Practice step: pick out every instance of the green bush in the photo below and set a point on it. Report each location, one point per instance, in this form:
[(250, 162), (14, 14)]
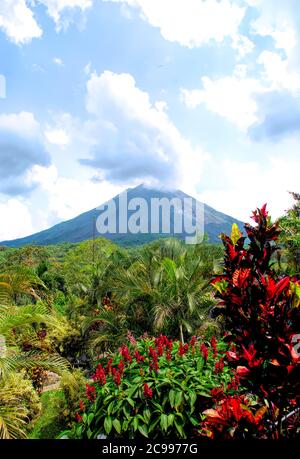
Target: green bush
[(154, 387)]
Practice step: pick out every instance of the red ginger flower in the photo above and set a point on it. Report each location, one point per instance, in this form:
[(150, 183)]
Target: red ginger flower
[(147, 391), (117, 378), (152, 353), (169, 345), (160, 350), (154, 356), (168, 355), (193, 340), (125, 353), (183, 348), (204, 351), (100, 375), (91, 392), (219, 366), (213, 343), (121, 366), (160, 341), (109, 366), (139, 358), (163, 341)]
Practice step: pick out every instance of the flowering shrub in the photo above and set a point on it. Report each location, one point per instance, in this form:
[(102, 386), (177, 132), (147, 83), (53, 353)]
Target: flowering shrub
[(154, 387), (262, 318)]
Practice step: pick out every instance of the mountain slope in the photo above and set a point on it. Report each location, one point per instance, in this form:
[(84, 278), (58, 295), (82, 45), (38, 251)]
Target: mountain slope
[(82, 227)]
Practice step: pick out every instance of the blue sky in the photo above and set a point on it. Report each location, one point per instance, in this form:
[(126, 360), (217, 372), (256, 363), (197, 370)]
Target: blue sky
[(201, 95)]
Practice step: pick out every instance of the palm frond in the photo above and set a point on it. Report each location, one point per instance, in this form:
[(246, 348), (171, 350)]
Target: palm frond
[(13, 415), (18, 361)]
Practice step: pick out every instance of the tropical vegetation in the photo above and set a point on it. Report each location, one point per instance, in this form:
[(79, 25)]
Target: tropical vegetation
[(161, 340)]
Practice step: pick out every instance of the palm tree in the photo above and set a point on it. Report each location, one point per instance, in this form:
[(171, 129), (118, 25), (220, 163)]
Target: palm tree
[(166, 288), (104, 331), (15, 323), (17, 282), (183, 298)]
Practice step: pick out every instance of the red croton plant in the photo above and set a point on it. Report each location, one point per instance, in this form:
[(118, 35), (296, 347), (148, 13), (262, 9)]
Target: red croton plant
[(262, 317)]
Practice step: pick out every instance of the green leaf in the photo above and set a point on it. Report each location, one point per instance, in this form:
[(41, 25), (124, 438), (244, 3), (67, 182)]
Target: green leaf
[(108, 424), (178, 398), (110, 407), (205, 394), (132, 390), (79, 431), (179, 428), (193, 397), (117, 425), (90, 418), (153, 425), (172, 398), (143, 430), (109, 397), (125, 425), (164, 422), (194, 421), (157, 405), (130, 401), (135, 423), (171, 418), (147, 415), (126, 412)]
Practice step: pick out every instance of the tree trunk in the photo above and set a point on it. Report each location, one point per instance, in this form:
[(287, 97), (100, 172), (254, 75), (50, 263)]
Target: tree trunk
[(181, 334)]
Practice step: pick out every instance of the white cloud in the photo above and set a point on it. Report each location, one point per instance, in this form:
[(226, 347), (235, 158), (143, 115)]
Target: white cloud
[(66, 198), (15, 220), (278, 73), (276, 20), (23, 123), (237, 97), (58, 61), (58, 8), (243, 45), (18, 22), (230, 97), (57, 137), (134, 139), (191, 23), (251, 184)]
